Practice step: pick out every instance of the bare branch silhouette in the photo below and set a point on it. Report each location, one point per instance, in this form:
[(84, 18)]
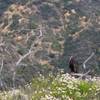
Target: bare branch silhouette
[(23, 57), (1, 66), (84, 63), (81, 75)]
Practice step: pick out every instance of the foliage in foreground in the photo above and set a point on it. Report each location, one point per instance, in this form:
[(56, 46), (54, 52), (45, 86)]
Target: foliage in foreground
[(61, 87)]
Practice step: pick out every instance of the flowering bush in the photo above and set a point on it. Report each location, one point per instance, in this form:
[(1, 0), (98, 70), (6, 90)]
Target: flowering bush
[(60, 87), (65, 87)]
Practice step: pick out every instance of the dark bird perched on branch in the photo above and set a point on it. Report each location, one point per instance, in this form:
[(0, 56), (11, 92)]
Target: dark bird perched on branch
[(73, 65)]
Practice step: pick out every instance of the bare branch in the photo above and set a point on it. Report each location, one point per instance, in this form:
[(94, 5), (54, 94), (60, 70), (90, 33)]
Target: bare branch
[(41, 34), (2, 44), (13, 78), (1, 66), (30, 50), (1, 83), (23, 57), (81, 75), (84, 63), (40, 31)]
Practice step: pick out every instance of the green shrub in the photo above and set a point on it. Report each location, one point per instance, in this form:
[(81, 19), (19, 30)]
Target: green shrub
[(33, 25), (56, 46), (65, 88), (61, 87)]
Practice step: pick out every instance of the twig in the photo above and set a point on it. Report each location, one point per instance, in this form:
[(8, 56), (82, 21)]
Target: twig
[(30, 50), (84, 63), (23, 57), (85, 74), (81, 75), (13, 78), (40, 31), (41, 34), (1, 67), (1, 83), (2, 44)]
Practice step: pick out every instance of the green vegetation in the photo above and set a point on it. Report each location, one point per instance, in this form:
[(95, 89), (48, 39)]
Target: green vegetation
[(61, 87), (33, 25), (56, 46), (65, 88), (69, 28), (15, 22)]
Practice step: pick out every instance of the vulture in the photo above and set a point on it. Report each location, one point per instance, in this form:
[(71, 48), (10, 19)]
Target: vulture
[(73, 65)]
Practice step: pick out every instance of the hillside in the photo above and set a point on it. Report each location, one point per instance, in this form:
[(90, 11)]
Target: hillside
[(39, 36)]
